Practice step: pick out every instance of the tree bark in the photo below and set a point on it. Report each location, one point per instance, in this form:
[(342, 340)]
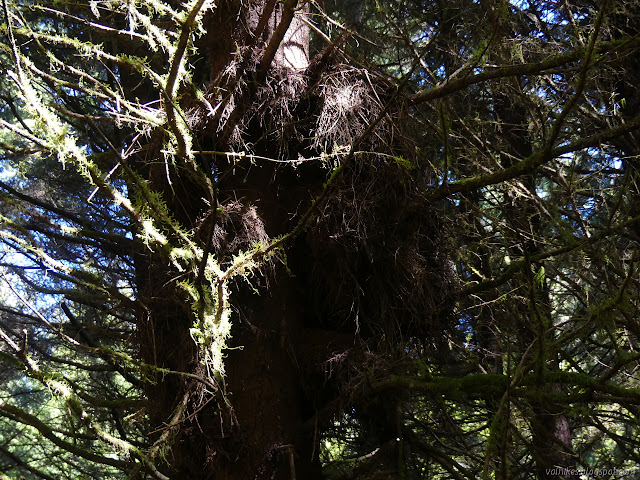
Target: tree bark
[(256, 426)]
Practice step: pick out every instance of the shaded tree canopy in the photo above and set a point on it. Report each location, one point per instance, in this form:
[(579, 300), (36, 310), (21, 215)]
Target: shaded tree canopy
[(322, 240)]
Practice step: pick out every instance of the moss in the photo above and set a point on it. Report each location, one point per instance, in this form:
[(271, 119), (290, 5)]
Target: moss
[(483, 385)]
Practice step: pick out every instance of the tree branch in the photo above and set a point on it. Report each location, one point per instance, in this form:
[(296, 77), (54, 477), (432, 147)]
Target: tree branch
[(492, 73), (529, 164), (27, 419)]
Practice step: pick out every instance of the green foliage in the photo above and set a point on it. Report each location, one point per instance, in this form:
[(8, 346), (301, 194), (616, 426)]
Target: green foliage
[(489, 159)]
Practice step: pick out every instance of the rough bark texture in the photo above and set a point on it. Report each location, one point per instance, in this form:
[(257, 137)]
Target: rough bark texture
[(267, 436), (347, 315), (256, 427)]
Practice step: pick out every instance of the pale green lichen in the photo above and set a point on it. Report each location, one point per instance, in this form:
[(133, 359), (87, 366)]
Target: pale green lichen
[(151, 234), (212, 328), (181, 257), (207, 284)]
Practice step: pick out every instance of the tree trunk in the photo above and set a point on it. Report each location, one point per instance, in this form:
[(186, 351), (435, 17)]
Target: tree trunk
[(255, 427), (293, 53)]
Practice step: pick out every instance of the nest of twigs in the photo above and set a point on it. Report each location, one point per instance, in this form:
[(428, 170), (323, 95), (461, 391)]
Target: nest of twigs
[(375, 262), (238, 227), (388, 272), (372, 260)]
